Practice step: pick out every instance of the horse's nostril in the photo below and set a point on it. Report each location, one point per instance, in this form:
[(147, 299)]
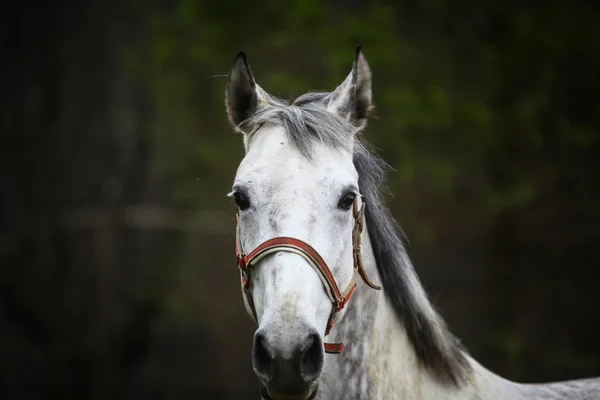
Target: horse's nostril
[(261, 357), (312, 358)]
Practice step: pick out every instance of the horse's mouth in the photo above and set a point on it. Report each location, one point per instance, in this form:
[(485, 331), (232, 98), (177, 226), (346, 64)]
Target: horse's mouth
[(265, 395)]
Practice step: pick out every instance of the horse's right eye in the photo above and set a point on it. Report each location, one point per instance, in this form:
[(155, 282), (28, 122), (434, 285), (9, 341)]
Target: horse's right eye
[(241, 200)]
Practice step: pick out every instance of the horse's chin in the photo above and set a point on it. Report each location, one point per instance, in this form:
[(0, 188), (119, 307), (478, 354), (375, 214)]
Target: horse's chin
[(308, 394)]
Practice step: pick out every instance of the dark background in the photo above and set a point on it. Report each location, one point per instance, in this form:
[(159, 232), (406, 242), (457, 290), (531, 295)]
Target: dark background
[(117, 274)]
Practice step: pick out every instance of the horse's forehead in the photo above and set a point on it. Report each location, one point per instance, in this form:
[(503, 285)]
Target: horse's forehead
[(273, 161)]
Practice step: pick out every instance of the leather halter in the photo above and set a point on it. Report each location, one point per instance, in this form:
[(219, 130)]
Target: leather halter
[(291, 245)]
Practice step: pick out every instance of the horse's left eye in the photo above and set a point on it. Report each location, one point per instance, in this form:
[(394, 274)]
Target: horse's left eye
[(346, 202)]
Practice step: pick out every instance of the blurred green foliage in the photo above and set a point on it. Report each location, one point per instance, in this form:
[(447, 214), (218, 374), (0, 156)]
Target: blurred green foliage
[(458, 88)]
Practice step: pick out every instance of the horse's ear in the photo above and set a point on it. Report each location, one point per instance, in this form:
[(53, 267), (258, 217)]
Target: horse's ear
[(352, 99), (242, 96)]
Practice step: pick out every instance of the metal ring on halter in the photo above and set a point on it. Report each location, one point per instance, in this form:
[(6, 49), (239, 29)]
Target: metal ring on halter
[(291, 245)]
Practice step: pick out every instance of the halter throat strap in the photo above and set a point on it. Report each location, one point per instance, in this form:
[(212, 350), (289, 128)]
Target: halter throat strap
[(292, 245)]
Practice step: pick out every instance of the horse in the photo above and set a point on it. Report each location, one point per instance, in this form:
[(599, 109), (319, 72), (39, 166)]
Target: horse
[(314, 241)]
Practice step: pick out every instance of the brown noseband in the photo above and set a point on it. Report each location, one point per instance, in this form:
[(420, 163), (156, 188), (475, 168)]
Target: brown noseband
[(303, 249)]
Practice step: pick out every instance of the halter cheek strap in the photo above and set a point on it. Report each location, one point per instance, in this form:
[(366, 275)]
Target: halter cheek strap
[(291, 245)]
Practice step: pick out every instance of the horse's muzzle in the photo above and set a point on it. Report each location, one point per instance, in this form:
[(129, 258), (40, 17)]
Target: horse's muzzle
[(291, 376)]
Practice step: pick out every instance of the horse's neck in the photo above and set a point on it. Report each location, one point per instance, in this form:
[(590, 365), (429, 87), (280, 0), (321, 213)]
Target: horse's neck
[(379, 362)]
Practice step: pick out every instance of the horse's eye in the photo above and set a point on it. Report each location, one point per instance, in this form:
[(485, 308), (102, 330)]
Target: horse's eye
[(241, 200), (346, 202)]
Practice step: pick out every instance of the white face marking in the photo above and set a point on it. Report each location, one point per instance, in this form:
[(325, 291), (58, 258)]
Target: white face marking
[(291, 195)]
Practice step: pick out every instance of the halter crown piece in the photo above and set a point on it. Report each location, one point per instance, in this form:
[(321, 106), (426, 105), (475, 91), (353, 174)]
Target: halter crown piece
[(245, 261)]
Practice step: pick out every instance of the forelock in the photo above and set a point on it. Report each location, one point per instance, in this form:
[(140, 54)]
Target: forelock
[(306, 121)]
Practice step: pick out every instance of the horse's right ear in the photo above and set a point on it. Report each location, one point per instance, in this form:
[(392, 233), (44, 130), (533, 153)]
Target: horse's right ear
[(242, 96)]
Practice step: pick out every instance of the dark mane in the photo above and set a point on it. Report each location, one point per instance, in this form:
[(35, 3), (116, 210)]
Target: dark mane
[(307, 120), (435, 346)]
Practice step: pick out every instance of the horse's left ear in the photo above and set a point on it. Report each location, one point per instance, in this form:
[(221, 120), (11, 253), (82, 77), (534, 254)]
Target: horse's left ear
[(352, 99)]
